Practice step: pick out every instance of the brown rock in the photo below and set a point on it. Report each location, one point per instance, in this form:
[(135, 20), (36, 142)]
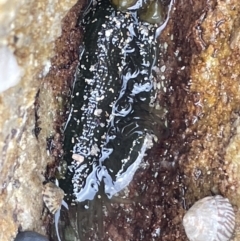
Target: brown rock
[(27, 34)]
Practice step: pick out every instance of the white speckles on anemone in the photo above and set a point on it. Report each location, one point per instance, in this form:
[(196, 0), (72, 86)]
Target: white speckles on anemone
[(109, 125), (210, 219)]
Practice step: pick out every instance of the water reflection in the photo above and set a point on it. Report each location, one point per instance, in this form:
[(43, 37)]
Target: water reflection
[(85, 221)]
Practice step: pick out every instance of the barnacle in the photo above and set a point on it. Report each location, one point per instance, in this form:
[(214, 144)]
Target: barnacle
[(153, 12), (210, 219)]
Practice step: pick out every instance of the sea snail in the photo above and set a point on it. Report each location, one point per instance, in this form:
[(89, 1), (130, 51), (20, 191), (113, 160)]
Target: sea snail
[(210, 219)]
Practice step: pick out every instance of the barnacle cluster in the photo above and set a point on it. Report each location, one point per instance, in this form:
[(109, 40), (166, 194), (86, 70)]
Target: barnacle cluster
[(111, 122)]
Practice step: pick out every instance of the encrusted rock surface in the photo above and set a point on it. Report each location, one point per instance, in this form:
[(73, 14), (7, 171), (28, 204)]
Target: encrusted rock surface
[(211, 164), (199, 66), (28, 31), (199, 69)]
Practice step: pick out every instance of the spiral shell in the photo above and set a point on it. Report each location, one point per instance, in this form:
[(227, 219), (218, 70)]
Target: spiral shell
[(210, 219)]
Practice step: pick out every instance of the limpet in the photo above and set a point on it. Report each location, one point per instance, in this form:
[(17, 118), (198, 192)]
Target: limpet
[(210, 219), (52, 197)]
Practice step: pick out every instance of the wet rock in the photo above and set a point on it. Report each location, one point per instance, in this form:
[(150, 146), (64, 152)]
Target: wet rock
[(199, 63), (30, 236), (27, 45)]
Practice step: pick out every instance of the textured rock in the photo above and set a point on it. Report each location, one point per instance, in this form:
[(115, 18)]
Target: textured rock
[(212, 161), (27, 34), (199, 64)]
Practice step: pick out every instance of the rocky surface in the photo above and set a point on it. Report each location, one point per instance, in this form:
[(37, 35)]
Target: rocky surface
[(28, 31), (199, 67), (199, 75), (211, 164)]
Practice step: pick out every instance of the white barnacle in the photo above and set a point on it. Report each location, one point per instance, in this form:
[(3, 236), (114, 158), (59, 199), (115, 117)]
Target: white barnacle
[(210, 219)]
